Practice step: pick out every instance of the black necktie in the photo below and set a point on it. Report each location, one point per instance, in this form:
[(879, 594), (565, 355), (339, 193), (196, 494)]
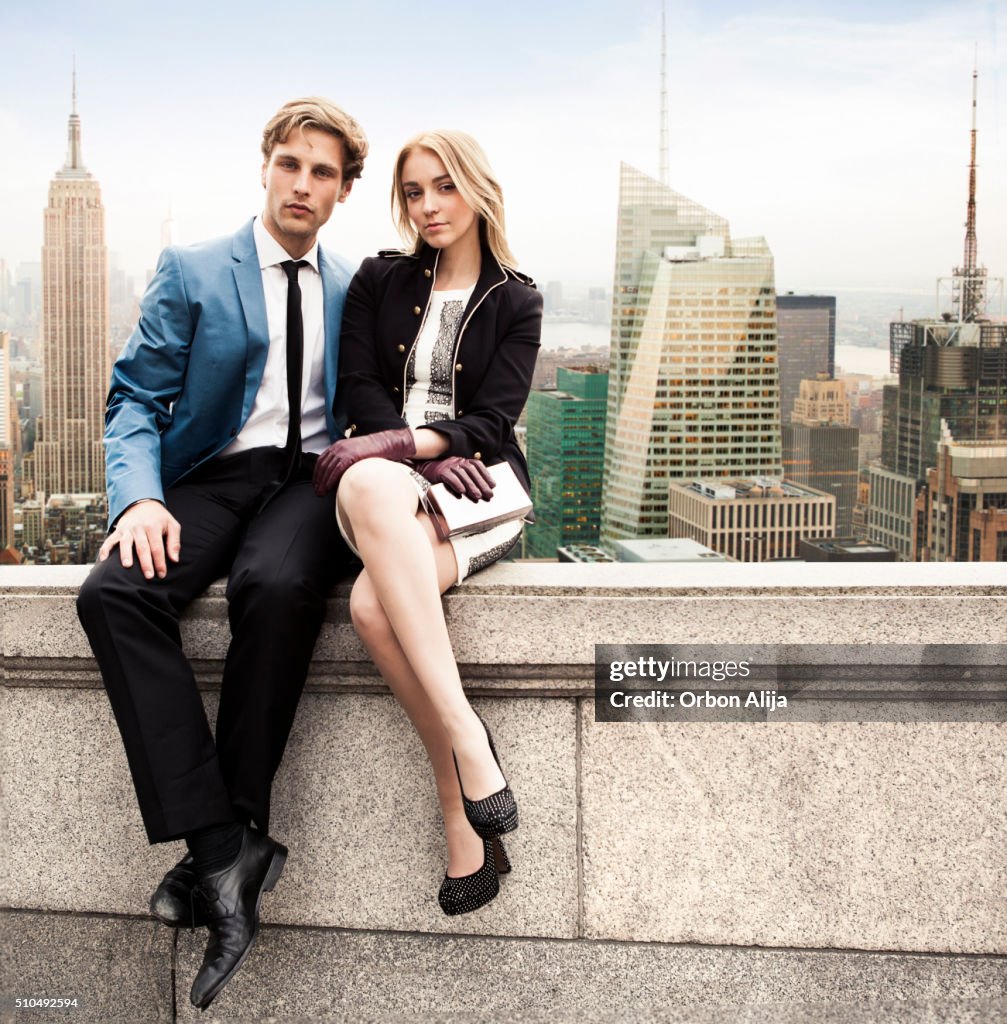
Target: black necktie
[(295, 360)]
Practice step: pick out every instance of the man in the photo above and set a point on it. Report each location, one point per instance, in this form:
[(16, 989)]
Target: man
[(218, 407)]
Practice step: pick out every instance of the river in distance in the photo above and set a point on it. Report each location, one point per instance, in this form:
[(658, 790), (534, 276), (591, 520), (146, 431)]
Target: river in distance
[(849, 358)]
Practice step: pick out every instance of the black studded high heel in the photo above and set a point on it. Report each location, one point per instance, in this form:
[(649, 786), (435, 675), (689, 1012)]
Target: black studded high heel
[(470, 892), (495, 814)]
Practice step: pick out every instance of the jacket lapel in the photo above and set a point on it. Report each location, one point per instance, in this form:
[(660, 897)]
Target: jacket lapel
[(334, 282), (248, 279)]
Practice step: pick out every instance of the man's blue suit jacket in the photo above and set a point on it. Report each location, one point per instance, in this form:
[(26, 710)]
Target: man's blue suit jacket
[(185, 382)]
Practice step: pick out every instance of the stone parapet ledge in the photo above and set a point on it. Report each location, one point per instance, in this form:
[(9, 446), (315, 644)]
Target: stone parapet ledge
[(532, 627), (834, 835)]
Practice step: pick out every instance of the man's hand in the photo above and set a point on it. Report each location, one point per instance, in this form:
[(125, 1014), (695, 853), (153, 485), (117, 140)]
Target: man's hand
[(152, 530)]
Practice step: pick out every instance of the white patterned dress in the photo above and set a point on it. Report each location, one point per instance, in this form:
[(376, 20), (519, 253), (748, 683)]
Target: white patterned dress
[(428, 399)]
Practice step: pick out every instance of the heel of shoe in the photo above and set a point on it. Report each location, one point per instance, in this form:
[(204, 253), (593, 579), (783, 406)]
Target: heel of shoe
[(494, 816), (500, 858), (275, 867)]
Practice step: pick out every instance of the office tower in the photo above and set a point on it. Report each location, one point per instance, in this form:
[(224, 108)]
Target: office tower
[(693, 387), (822, 401), (6, 288), (566, 454), (891, 515), (952, 370), (168, 230), (806, 338), (751, 520), (27, 292), (821, 449), (6, 446), (553, 296), (550, 360), (6, 400), (75, 361), (964, 505)]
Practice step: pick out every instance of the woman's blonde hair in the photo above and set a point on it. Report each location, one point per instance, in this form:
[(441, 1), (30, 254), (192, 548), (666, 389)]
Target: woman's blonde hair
[(465, 161)]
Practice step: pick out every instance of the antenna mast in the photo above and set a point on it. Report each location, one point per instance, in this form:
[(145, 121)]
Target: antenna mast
[(972, 277), (663, 164), (970, 220)]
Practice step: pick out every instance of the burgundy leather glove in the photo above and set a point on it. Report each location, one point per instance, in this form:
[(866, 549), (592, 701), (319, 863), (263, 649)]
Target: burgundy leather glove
[(395, 445), (467, 478)]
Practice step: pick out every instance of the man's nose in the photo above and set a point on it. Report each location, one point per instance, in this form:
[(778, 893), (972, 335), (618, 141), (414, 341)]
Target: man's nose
[(302, 182)]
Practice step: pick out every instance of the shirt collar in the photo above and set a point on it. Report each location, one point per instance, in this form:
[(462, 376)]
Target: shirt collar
[(272, 254)]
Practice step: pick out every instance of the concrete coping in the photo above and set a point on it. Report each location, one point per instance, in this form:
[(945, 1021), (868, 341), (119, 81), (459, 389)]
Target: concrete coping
[(616, 579)]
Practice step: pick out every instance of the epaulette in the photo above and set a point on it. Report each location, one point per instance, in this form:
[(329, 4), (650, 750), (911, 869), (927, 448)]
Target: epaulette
[(518, 276), (388, 254)]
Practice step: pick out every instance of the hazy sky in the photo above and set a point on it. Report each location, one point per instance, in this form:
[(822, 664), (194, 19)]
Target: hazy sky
[(838, 130)]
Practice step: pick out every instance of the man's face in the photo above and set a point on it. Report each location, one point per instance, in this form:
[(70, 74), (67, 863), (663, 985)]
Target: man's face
[(303, 179)]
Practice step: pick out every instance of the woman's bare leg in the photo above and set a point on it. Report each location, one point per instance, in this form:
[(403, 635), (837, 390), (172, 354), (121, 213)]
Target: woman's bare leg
[(378, 504), (465, 848)]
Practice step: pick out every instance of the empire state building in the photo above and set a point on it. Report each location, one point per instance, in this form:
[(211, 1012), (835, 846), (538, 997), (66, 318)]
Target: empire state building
[(69, 458)]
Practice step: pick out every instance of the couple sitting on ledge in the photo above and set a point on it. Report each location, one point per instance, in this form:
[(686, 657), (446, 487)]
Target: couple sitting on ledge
[(272, 420)]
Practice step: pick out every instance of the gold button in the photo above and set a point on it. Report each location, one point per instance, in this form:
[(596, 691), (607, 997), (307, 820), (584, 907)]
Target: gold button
[(417, 310), (477, 455), (458, 367), (458, 412), (426, 273), (402, 348), (396, 390)]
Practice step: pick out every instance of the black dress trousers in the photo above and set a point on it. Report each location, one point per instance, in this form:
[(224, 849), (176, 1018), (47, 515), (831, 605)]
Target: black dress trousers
[(281, 560)]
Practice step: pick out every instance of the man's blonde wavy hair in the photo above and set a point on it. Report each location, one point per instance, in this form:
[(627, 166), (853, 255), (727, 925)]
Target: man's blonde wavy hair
[(323, 115)]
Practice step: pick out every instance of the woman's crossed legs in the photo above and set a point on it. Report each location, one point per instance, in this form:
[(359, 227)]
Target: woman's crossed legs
[(396, 609)]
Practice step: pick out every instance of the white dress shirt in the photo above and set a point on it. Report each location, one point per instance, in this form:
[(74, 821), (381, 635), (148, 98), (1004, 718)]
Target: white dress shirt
[(267, 423)]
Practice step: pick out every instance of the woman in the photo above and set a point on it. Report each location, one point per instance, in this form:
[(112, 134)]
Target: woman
[(438, 346)]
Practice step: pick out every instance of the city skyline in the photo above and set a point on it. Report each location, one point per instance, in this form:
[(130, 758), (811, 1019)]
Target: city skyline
[(850, 125)]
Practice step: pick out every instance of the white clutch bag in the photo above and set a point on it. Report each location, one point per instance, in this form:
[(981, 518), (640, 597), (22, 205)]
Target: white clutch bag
[(458, 517)]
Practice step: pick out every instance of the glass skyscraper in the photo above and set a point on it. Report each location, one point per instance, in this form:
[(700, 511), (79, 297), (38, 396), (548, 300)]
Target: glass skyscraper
[(806, 328), (566, 444), (693, 382)]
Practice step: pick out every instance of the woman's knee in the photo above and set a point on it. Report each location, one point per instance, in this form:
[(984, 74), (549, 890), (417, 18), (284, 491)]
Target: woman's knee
[(367, 614), (374, 488)]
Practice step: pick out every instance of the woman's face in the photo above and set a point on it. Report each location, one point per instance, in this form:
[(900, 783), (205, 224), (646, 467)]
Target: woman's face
[(434, 204)]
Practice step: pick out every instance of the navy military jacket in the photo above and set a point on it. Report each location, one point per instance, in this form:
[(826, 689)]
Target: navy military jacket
[(494, 352)]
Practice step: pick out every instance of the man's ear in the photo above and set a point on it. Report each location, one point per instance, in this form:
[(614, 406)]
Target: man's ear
[(265, 164), (346, 190)]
